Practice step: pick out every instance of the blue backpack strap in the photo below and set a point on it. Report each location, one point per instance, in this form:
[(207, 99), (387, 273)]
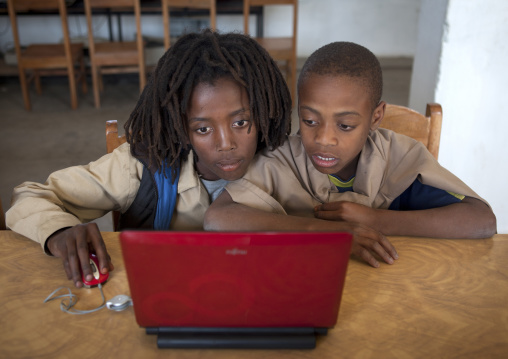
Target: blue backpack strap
[(166, 201)]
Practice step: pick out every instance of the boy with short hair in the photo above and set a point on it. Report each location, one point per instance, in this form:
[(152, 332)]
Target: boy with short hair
[(342, 167)]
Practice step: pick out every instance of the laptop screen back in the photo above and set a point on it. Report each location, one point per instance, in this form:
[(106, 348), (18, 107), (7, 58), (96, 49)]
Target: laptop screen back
[(251, 279)]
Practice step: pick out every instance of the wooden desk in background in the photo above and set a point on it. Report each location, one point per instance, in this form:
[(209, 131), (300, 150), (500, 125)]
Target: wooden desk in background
[(442, 298), (224, 7)]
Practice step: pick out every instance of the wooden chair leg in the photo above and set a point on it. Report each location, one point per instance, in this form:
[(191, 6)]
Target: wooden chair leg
[(72, 87), (101, 83), (142, 79), (96, 85), (82, 75), (24, 89), (37, 80)]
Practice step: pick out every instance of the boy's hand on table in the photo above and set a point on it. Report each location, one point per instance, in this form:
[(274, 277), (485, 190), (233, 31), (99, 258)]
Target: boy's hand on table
[(368, 242), (73, 246), (346, 211)]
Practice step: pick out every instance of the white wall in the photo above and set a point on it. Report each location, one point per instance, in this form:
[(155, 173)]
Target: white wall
[(386, 27), (431, 27), (471, 79)]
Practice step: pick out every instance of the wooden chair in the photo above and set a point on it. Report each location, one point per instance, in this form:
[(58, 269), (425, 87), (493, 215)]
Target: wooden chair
[(112, 142), (280, 48), (2, 218), (46, 59), (190, 4), (115, 57), (426, 129)]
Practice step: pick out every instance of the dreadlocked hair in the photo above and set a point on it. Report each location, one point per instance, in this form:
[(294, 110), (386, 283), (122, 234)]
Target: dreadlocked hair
[(157, 127)]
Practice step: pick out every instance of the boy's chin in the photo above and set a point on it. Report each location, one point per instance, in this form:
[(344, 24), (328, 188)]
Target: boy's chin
[(337, 172), (232, 176), (327, 171)]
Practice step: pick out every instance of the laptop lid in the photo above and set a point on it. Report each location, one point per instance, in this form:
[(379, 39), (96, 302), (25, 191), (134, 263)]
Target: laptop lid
[(236, 279)]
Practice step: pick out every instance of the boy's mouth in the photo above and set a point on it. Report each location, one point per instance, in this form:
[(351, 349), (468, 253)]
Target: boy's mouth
[(229, 165), (324, 160)]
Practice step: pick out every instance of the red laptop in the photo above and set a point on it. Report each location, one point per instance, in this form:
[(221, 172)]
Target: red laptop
[(236, 289)]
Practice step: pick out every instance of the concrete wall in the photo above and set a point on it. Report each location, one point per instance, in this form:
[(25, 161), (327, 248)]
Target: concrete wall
[(469, 69), (431, 26), (386, 27)]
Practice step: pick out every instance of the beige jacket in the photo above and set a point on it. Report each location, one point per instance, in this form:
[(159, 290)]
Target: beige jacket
[(285, 181), (83, 193)]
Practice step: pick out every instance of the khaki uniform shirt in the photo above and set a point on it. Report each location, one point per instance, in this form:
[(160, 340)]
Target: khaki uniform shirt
[(285, 181), (83, 193)]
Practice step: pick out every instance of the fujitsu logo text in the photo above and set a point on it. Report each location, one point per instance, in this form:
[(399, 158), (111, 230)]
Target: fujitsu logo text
[(236, 251)]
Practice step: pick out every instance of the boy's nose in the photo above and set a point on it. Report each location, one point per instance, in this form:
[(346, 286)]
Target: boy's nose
[(325, 136), (225, 140)]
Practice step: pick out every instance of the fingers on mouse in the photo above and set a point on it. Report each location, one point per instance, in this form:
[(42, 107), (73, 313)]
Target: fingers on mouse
[(98, 277)]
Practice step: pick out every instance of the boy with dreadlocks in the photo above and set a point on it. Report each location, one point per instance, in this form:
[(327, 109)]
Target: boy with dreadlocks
[(343, 168), (211, 103)]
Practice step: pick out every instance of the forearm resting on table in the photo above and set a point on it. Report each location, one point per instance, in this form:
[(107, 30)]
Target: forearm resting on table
[(470, 218), (226, 215)]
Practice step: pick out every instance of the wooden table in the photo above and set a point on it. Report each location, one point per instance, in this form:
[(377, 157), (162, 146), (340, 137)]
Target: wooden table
[(442, 299)]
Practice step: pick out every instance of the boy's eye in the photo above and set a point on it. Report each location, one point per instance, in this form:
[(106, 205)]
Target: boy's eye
[(345, 127), (309, 122), (203, 130), (240, 123)]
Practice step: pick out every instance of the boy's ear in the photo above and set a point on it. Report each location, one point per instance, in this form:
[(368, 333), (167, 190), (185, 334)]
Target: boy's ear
[(377, 116)]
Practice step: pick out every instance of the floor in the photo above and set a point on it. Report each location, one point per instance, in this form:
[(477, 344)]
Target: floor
[(52, 136)]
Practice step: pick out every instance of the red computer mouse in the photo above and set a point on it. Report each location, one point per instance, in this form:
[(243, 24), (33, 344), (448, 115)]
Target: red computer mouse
[(98, 277)]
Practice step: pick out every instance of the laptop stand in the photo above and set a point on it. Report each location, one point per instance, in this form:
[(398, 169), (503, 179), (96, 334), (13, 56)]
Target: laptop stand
[(236, 338)]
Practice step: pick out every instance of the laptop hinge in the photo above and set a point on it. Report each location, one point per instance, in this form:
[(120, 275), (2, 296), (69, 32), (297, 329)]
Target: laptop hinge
[(239, 338)]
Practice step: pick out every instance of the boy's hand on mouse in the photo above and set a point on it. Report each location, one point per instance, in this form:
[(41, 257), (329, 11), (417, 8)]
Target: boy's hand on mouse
[(367, 242), (73, 246), (346, 211)]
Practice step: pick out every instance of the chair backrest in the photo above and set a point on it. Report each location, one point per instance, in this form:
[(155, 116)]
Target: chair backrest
[(45, 57), (112, 142), (115, 56), (190, 4), (280, 48), (16, 6), (426, 129), (113, 4), (247, 4), (112, 138)]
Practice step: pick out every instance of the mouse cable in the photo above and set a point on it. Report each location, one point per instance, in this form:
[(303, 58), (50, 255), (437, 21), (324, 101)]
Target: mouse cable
[(69, 300)]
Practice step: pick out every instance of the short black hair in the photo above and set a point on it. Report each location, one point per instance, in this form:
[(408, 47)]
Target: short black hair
[(157, 127), (346, 59)]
